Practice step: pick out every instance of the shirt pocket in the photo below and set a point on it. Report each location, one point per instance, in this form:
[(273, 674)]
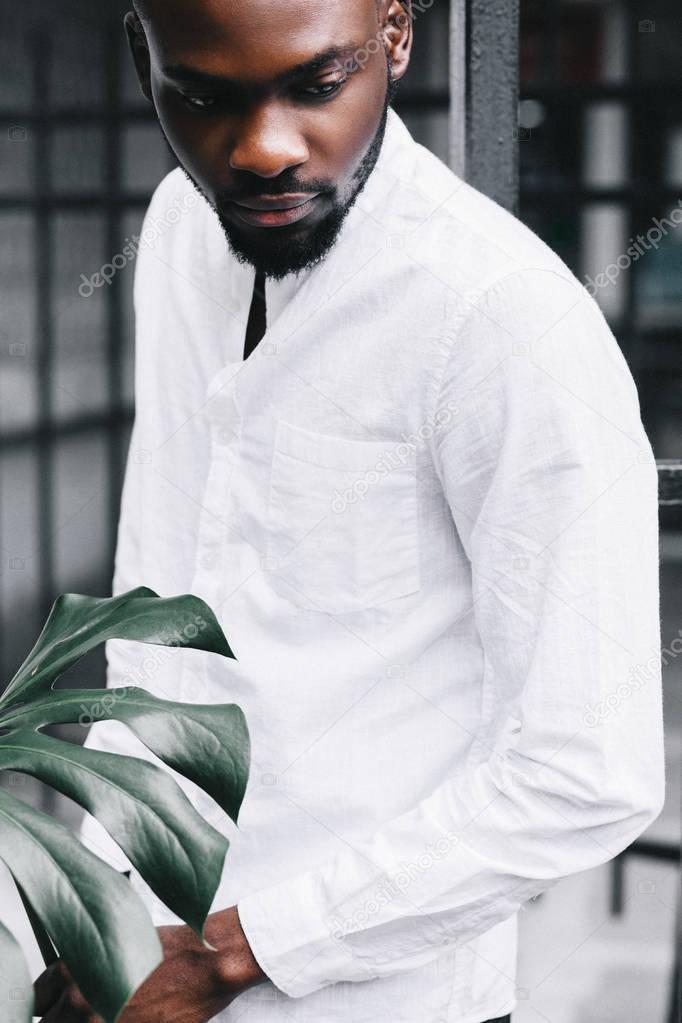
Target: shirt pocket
[(342, 520)]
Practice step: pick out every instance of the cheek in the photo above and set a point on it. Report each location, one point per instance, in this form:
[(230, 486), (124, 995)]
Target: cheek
[(200, 146), (339, 136), (195, 142)]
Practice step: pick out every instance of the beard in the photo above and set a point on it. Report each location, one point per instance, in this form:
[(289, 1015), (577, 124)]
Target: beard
[(277, 252)]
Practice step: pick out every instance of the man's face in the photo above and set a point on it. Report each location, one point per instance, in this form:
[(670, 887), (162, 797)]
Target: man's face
[(276, 111)]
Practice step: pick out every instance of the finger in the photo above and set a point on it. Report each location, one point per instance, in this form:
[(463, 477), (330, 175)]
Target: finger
[(49, 987)]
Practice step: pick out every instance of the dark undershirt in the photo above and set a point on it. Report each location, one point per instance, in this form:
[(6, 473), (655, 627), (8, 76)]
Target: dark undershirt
[(257, 321)]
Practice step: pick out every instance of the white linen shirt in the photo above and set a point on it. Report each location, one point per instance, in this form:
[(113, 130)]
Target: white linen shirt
[(424, 511)]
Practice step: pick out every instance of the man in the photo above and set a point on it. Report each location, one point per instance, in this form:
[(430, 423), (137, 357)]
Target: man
[(386, 435)]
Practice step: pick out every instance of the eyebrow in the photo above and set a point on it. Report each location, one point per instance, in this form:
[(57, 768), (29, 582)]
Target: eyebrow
[(195, 76)]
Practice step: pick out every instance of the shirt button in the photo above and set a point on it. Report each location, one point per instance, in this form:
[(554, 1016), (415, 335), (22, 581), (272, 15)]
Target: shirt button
[(208, 561), (225, 435)]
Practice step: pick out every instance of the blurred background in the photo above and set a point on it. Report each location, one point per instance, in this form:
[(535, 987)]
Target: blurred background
[(600, 137)]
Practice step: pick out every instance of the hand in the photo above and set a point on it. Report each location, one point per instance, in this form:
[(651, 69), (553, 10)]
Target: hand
[(191, 985)]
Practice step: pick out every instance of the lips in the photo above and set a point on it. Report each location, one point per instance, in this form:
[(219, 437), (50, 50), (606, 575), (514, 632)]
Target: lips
[(274, 211)]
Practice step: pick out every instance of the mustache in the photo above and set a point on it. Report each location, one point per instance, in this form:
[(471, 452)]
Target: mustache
[(286, 184)]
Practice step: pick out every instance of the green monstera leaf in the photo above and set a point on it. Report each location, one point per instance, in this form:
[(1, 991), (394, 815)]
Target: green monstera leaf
[(88, 911), (78, 624)]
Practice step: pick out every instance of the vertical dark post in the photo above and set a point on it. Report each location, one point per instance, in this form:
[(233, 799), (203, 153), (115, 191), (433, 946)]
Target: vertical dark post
[(458, 87), (670, 493), (486, 93), (617, 885), (41, 57), (639, 172), (114, 238)]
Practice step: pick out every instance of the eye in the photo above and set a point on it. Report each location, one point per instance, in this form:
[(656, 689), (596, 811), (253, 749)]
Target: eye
[(199, 102), (325, 89)]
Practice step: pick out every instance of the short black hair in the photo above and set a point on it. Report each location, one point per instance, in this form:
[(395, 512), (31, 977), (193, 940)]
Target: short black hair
[(143, 10)]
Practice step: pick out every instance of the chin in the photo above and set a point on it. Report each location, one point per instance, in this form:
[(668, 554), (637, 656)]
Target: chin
[(284, 251)]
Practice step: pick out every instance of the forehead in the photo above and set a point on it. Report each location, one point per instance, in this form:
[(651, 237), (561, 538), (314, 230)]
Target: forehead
[(255, 38)]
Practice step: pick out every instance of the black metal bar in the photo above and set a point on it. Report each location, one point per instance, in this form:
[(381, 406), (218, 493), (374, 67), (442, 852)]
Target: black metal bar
[(636, 210), (416, 102), (617, 885), (16, 440), (553, 40), (648, 848), (653, 849), (492, 99), (77, 116), (534, 195), (113, 148), (41, 57), (675, 1007), (46, 204), (670, 482), (586, 92)]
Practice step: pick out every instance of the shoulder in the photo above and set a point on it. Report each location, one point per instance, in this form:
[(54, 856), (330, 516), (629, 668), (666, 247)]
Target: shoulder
[(512, 303), (474, 241), (502, 289), (496, 270)]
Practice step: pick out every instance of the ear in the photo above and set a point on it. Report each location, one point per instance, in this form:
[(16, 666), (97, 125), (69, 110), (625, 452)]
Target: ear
[(398, 35), (137, 41)]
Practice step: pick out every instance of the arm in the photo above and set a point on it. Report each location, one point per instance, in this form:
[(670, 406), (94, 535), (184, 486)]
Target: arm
[(552, 486)]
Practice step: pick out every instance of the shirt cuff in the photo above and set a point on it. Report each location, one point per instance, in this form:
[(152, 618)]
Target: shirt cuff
[(292, 942)]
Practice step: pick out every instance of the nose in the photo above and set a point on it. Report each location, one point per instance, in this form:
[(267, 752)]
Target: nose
[(268, 143)]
